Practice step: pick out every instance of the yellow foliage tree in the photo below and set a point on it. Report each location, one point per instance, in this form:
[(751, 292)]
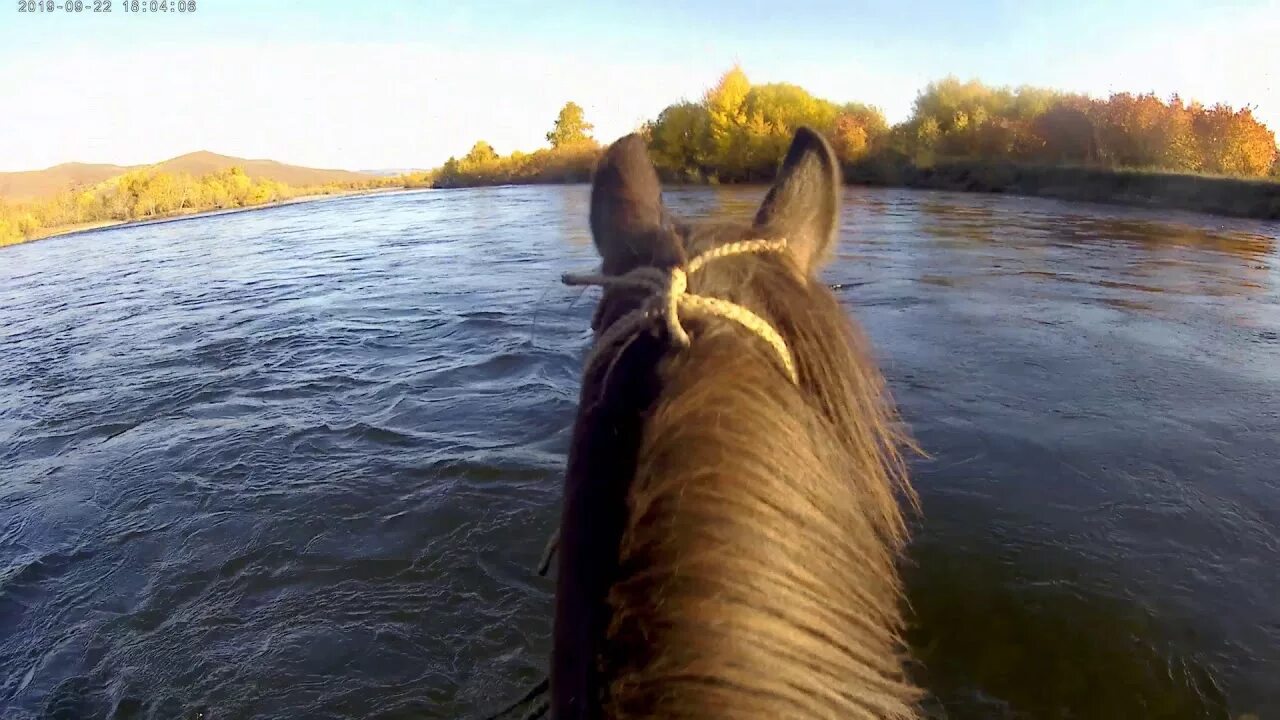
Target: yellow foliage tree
[(849, 138), (725, 118), (571, 127)]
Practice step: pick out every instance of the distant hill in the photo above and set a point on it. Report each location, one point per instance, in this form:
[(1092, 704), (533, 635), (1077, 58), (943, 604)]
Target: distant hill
[(35, 184), (51, 181), (204, 163)]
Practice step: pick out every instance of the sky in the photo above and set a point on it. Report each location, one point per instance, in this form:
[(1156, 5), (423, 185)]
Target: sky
[(373, 84)]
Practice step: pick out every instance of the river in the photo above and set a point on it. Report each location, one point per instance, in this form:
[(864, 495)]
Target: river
[(299, 462)]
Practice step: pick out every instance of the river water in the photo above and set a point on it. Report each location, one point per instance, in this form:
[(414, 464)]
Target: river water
[(299, 462)]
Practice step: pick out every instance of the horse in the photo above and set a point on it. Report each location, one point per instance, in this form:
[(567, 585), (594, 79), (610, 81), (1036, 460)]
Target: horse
[(735, 493)]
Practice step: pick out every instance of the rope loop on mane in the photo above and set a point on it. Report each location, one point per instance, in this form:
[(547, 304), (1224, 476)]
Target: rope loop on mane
[(670, 298)]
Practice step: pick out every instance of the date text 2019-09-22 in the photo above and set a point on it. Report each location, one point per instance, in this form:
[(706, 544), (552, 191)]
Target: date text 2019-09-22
[(139, 7)]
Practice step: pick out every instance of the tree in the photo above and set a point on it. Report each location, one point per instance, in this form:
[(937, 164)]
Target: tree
[(481, 153), (1234, 142), (1066, 133), (9, 232), (869, 118), (238, 184), (726, 118), (679, 139), (571, 127), (927, 134), (849, 137)]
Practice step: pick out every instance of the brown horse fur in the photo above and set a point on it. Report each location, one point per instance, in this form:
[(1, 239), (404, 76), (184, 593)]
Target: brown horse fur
[(729, 541)]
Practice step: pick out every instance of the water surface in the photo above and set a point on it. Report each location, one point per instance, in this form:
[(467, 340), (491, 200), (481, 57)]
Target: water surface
[(299, 462)]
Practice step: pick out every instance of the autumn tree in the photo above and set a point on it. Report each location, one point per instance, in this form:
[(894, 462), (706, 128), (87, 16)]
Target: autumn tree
[(739, 132), (1234, 142), (849, 138), (571, 127), (481, 153), (725, 119), (9, 232), (1143, 131)]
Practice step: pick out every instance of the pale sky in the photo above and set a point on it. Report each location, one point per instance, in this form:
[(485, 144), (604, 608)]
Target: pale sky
[(393, 84)]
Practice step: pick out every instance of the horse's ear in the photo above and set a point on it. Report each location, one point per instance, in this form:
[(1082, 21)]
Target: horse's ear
[(804, 203), (628, 223)]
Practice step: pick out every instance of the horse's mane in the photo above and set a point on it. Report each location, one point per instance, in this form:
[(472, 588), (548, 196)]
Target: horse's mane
[(730, 537)]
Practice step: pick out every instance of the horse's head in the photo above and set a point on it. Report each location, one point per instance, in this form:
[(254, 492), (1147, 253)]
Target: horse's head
[(731, 519), (632, 229)]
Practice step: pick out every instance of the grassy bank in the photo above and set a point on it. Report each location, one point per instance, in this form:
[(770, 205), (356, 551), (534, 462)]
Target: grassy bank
[(143, 196), (1214, 194), (189, 214)]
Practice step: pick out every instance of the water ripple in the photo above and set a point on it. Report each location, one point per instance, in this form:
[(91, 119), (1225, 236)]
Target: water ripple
[(298, 462)]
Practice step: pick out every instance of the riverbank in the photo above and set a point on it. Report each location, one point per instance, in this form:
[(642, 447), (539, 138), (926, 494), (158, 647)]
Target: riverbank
[(549, 166), (1124, 149), (1212, 194), (63, 230)]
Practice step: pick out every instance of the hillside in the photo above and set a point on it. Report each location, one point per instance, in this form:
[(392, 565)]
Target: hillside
[(204, 163), (38, 184), (33, 184)]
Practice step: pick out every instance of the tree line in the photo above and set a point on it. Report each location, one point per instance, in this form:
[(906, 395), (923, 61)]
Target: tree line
[(1036, 125), (144, 194), (738, 132), (570, 158)]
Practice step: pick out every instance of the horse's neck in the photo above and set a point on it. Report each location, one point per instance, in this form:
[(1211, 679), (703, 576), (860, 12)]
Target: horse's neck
[(748, 562)]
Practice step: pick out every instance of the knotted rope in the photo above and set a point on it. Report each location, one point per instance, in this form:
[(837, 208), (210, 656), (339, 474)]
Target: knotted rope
[(670, 299)]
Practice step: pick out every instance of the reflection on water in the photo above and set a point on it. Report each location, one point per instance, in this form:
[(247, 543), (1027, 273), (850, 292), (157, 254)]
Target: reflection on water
[(298, 462), (1001, 634), (954, 225)]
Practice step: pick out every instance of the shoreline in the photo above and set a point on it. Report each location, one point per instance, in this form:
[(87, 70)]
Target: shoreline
[(1257, 199), (1218, 195), (92, 227)]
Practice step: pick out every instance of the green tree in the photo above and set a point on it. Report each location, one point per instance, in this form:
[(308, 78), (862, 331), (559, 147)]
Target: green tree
[(571, 127), (679, 140), (927, 134)]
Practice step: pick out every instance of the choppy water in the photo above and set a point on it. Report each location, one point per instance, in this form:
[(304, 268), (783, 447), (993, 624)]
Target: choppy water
[(299, 462)]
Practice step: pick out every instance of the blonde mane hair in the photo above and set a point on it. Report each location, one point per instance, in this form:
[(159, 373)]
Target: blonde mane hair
[(730, 537)]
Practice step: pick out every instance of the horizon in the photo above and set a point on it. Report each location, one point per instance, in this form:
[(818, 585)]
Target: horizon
[(405, 85), (204, 151)]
